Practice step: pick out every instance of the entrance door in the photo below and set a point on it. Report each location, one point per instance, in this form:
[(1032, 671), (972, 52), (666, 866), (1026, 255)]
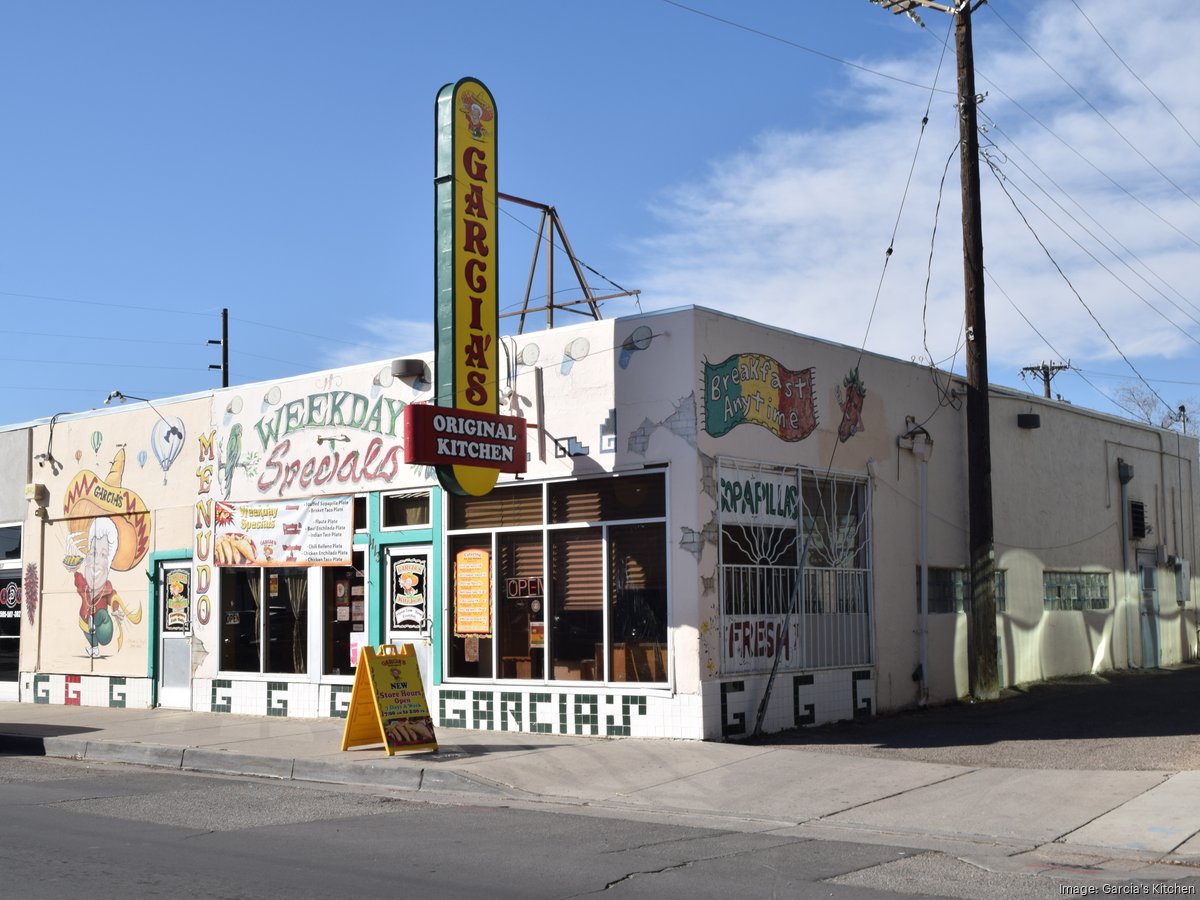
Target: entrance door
[(409, 604), (174, 581), (1147, 561), (10, 632)]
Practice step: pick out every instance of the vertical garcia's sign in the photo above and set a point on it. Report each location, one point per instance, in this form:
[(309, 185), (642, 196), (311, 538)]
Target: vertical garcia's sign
[(467, 316)]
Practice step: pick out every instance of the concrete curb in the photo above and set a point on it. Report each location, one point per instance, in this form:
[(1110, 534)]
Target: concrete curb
[(385, 774), (365, 773), (136, 754), (222, 762)]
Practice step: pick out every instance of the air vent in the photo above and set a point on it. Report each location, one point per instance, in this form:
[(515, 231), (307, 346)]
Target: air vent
[(1137, 519)]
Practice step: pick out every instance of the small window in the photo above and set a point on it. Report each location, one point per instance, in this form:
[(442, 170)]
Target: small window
[(10, 542), (1137, 519), (360, 513), (405, 510), (1075, 590), (950, 590)]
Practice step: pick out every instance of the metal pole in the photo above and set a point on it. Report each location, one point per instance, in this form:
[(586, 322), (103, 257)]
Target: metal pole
[(981, 635)]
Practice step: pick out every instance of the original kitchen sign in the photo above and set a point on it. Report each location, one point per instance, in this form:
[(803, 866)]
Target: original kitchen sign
[(436, 436), (466, 258)]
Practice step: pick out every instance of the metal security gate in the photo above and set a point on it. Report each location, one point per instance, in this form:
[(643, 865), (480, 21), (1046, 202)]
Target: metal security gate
[(777, 522)]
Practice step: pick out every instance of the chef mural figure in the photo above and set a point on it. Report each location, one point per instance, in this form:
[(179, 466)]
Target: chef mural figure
[(109, 532), (102, 611)]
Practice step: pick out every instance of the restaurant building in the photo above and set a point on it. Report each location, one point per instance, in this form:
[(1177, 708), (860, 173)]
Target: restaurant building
[(719, 529)]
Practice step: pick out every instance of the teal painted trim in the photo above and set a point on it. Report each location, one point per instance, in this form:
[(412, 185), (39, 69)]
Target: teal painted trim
[(377, 541), (437, 607), (152, 660)]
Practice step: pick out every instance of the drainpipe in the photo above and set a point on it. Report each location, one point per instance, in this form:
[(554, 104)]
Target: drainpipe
[(921, 444), (1124, 476)]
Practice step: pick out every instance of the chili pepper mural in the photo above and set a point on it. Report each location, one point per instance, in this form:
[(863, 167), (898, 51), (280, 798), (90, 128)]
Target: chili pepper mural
[(851, 405)]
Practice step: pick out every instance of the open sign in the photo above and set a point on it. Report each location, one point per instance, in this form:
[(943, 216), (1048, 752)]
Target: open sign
[(523, 588)]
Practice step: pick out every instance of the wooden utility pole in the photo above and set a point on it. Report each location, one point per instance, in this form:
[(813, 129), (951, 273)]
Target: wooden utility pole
[(224, 342), (981, 623), (1045, 372), (981, 635)]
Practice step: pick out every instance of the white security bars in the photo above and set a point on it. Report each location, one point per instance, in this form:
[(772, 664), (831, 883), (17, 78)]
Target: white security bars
[(820, 620)]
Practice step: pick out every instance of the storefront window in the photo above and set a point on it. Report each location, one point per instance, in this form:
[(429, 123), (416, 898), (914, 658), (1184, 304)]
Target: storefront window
[(10, 600), (471, 614), (344, 614), (578, 593), (795, 568), (501, 508), (10, 542), (405, 510), (638, 606), (264, 620), (577, 603), (522, 597)]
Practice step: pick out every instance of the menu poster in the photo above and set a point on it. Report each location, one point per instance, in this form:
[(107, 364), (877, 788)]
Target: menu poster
[(177, 600), (473, 593), (313, 532), (409, 592)]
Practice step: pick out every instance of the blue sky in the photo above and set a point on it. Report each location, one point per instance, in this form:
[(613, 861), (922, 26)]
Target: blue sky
[(163, 161)]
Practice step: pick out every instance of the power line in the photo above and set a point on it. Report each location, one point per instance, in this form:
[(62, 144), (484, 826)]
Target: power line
[(153, 309), (794, 45), (1066, 144), (993, 127), (1128, 69), (1092, 106), (1067, 280), (995, 167)]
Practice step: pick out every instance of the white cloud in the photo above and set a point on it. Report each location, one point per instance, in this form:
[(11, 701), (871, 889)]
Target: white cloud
[(792, 230), (380, 338)]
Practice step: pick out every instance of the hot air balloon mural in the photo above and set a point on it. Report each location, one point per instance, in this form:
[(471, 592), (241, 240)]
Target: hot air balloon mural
[(141, 458), (166, 440), (78, 455), (97, 439)]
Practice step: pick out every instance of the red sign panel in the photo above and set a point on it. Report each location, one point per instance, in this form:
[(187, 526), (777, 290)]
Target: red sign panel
[(442, 436)]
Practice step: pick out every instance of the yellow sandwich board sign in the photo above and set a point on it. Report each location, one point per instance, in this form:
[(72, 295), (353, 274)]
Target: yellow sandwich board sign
[(388, 704)]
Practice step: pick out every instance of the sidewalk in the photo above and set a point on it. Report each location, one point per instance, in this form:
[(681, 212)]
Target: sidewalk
[(827, 784)]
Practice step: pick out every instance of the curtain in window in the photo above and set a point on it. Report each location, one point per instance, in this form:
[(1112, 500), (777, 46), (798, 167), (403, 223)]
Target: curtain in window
[(297, 585), (254, 582)]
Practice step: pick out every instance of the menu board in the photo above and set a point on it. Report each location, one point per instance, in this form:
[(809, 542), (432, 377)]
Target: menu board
[(473, 593), (313, 532)]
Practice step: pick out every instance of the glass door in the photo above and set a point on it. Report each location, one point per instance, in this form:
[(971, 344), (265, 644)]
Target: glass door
[(174, 583), (408, 603)]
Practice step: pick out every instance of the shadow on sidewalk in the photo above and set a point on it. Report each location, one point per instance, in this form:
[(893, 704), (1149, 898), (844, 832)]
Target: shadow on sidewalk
[(1126, 720)]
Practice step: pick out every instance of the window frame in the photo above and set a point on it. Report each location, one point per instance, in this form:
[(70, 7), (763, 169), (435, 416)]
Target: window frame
[(314, 576), (1080, 580), (959, 604), (384, 527), (820, 628), (548, 529)]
